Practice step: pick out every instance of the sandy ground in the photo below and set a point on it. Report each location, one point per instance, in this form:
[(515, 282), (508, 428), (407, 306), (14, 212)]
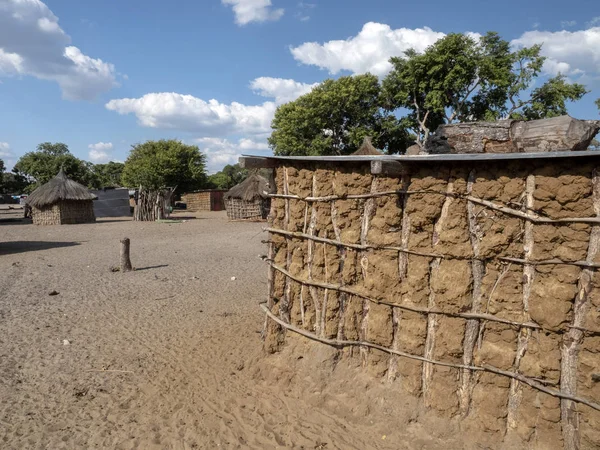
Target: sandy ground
[(170, 356)]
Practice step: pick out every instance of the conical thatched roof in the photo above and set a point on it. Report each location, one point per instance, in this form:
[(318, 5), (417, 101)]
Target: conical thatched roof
[(367, 148), (252, 187), (57, 189)]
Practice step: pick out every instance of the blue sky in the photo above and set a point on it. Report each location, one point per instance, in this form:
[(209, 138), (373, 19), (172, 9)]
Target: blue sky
[(103, 75)]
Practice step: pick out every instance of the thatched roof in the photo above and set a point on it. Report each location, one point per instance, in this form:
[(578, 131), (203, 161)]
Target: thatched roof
[(57, 189), (367, 148), (252, 187)]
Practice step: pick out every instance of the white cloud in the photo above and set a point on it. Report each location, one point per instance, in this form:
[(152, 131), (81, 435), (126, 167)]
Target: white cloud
[(220, 152), (33, 43), (572, 53), (368, 51), (7, 155), (100, 152), (595, 21), (281, 89), (247, 11), (169, 110), (568, 23), (303, 8)]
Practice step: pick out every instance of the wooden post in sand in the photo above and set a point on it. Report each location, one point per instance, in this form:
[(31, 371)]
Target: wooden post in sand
[(125, 261)]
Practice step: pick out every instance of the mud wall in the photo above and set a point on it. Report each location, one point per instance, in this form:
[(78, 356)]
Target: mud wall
[(472, 285)]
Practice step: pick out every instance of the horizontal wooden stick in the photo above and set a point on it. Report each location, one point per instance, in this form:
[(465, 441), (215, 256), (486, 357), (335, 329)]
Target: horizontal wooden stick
[(299, 235), (345, 343), (345, 244), (329, 198), (535, 218), (547, 262), (415, 309)]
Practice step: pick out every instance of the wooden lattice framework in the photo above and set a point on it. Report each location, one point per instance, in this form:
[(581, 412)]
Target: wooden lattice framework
[(373, 254)]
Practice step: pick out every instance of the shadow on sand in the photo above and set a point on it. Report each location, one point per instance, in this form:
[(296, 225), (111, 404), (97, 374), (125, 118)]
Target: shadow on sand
[(7, 248), (137, 269)]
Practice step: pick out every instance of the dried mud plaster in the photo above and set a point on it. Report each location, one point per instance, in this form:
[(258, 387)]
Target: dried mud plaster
[(437, 240)]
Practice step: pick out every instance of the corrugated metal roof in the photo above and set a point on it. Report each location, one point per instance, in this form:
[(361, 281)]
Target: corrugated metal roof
[(436, 158)]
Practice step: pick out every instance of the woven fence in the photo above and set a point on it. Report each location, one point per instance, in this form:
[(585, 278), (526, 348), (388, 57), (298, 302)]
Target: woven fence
[(65, 212), (238, 209), (471, 284)]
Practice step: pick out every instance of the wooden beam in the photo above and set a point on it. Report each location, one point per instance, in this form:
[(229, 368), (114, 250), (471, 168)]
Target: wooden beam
[(388, 168), (256, 162)]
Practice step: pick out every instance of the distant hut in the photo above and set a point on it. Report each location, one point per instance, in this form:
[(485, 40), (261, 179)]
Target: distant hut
[(61, 201), (367, 149), (249, 200)]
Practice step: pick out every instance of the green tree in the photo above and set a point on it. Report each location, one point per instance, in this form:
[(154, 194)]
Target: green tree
[(109, 174), (13, 183), (334, 118), (40, 166), (597, 103), (165, 163), (461, 79), (228, 177)]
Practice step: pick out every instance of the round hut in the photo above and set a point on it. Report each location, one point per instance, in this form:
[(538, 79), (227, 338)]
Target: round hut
[(61, 201), (249, 200), (367, 148)]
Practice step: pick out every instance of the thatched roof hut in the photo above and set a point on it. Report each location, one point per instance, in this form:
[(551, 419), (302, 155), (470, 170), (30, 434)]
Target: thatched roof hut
[(367, 148), (61, 201), (249, 200)]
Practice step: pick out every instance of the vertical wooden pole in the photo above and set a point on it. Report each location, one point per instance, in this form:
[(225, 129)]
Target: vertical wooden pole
[(472, 326), (432, 319), (573, 339), (515, 393), (125, 260)]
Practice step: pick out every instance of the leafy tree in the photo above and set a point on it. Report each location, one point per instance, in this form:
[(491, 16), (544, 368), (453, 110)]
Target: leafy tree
[(228, 177), (459, 79), (40, 166), (13, 183), (109, 174), (598, 103), (334, 118), (165, 163)]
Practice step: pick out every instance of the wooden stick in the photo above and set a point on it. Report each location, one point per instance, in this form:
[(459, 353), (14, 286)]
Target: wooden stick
[(353, 246), (125, 260), (416, 309), (368, 211), (550, 262), (473, 325), (432, 319), (486, 368), (339, 243), (515, 393), (528, 216), (569, 360), (535, 218)]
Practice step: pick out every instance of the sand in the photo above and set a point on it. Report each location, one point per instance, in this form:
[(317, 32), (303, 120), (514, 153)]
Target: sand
[(170, 355)]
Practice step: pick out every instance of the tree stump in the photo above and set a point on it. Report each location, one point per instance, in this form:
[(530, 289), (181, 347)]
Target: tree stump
[(125, 260)]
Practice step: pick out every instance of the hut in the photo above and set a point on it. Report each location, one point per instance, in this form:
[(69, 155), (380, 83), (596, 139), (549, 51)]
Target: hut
[(204, 200), (367, 149), (249, 200), (61, 201)]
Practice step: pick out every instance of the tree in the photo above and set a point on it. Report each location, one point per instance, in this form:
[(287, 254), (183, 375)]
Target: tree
[(14, 183), (165, 163), (459, 79), (228, 177), (109, 174), (598, 103), (40, 166), (334, 118)]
